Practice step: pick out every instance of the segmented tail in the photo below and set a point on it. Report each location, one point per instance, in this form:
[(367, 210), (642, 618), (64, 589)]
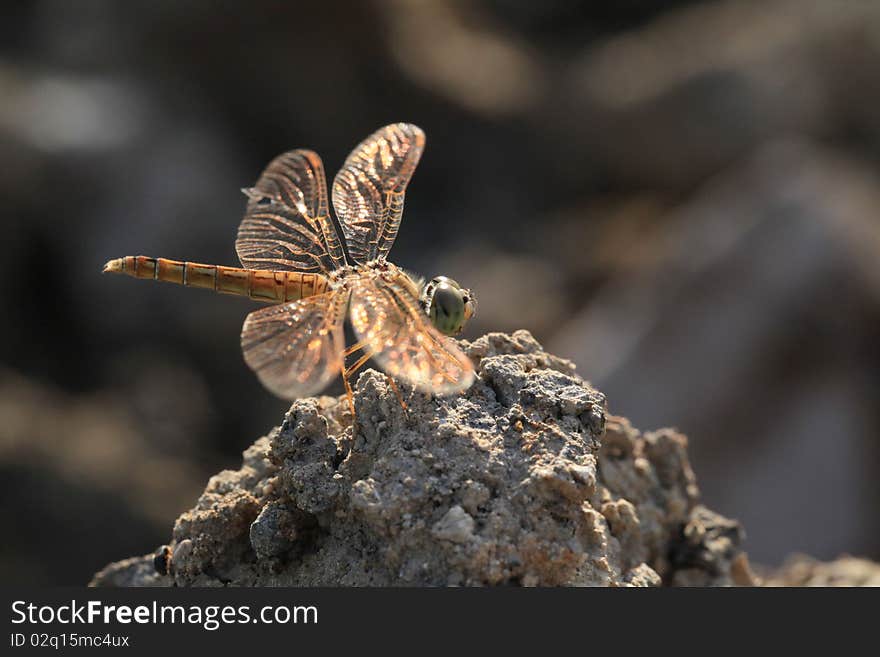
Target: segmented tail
[(258, 284)]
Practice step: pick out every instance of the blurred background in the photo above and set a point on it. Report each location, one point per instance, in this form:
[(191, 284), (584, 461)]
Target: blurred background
[(681, 197)]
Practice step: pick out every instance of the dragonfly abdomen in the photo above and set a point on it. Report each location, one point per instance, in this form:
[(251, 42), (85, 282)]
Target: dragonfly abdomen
[(258, 284)]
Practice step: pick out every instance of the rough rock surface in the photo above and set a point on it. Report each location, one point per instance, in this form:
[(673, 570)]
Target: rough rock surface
[(522, 480)]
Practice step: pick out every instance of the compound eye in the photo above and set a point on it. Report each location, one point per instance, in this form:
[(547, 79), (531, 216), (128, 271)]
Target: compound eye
[(447, 308), (440, 280)]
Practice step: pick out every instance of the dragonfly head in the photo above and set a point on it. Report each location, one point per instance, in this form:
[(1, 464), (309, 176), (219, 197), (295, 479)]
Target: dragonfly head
[(447, 304)]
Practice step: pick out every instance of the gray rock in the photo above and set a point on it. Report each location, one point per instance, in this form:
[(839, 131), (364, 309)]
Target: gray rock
[(456, 526), (801, 570), (136, 571), (277, 529), (524, 479)]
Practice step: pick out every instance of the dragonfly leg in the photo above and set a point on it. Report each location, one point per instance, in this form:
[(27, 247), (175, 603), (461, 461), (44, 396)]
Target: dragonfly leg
[(357, 346), (359, 363), (393, 384), (348, 394), (348, 372)]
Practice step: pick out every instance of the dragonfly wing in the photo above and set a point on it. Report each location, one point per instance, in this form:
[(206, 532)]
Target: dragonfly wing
[(386, 315), (368, 191), (286, 225), (296, 348)]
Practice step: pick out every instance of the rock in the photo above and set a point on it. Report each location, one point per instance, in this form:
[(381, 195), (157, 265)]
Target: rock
[(801, 570), (707, 551), (456, 526), (523, 479), (137, 571), (162, 560)]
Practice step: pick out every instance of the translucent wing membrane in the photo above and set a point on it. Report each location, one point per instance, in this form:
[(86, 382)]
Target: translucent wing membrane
[(286, 225), (386, 315), (296, 348), (368, 192)]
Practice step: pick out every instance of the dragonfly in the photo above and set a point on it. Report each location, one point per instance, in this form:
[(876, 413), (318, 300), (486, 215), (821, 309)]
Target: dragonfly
[(293, 258)]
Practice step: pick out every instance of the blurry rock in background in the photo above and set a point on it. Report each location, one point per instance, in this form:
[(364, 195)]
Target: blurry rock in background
[(680, 196), (801, 570)]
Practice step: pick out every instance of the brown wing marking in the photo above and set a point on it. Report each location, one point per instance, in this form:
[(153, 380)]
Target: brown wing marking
[(368, 191), (286, 225), (296, 348)]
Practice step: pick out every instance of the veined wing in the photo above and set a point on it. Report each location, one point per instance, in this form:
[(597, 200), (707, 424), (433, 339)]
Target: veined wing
[(368, 191), (287, 225), (386, 315), (296, 348)]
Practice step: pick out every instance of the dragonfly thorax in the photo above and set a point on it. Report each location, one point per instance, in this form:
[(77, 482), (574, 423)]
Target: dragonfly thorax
[(342, 277)]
